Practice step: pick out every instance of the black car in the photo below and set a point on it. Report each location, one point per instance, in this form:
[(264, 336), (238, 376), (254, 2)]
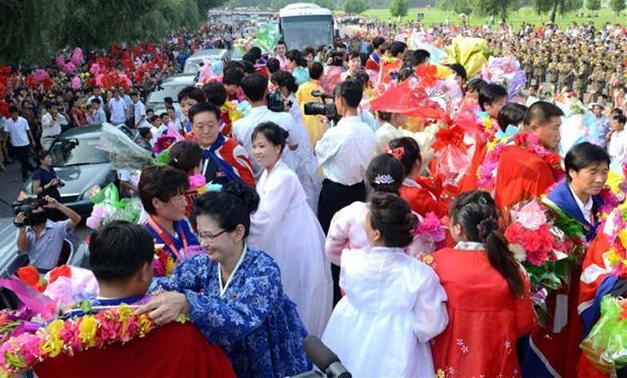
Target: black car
[(80, 165)]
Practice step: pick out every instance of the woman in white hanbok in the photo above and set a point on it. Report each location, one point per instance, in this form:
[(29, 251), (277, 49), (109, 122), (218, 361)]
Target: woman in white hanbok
[(394, 304), (305, 163), (286, 228)]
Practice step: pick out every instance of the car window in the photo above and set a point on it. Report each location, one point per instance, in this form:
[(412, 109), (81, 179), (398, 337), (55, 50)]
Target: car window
[(73, 151)]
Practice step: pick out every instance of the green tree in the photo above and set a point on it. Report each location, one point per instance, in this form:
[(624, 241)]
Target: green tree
[(399, 8), (355, 6), (458, 6), (499, 9), (34, 30), (555, 7), (593, 5), (617, 6), (329, 4)]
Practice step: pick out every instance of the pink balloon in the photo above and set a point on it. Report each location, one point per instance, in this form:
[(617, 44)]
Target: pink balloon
[(77, 56), (99, 78), (76, 83), (95, 69), (60, 60), (69, 68)]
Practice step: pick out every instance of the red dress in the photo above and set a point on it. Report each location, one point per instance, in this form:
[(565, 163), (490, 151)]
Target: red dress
[(484, 318), (174, 350), (421, 200), (521, 175)]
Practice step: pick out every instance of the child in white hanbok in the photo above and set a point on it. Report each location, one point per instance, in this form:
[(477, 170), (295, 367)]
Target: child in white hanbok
[(394, 304), (285, 227)]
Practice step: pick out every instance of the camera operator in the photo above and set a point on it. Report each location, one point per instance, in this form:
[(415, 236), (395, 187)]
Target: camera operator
[(255, 89), (344, 153), (42, 239), (45, 181)]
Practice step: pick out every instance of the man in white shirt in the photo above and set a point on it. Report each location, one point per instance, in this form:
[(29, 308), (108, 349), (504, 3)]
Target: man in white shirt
[(255, 89), (117, 108), (97, 94), (139, 111), (343, 153), (617, 138), (51, 124), (21, 139)]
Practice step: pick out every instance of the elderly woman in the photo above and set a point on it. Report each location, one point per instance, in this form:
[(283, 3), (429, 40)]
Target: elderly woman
[(233, 293)]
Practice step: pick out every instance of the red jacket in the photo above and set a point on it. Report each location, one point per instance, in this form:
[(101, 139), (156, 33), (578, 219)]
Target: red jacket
[(174, 350)]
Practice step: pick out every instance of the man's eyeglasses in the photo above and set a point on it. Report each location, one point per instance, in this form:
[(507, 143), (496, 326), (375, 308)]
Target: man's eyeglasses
[(205, 236)]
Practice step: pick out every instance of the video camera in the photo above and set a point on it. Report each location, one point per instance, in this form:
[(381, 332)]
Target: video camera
[(325, 108), (274, 101), (27, 207)]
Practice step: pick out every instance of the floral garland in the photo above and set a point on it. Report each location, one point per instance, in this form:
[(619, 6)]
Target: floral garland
[(616, 257), (112, 325), (163, 265), (487, 171), (541, 248)]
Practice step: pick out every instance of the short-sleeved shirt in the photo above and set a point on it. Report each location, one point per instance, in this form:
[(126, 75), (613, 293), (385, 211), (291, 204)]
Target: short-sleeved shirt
[(18, 131), (118, 110), (44, 252), (44, 177)]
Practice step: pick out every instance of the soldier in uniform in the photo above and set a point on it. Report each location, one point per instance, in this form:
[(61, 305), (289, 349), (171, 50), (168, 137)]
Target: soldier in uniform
[(580, 81), (551, 72), (538, 69)]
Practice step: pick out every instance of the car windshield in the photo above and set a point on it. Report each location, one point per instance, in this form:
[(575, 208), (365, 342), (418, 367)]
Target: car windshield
[(157, 97), (304, 31), (73, 151)]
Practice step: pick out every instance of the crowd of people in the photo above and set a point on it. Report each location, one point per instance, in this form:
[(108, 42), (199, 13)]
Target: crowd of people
[(263, 222)]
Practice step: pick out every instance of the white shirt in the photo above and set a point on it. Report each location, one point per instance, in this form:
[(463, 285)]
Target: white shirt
[(618, 147), (157, 132), (345, 151), (586, 209), (94, 97), (139, 112), (118, 110), (52, 128), (18, 131), (243, 132)]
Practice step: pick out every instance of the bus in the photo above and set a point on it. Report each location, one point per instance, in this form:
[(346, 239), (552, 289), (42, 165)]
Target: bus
[(306, 24)]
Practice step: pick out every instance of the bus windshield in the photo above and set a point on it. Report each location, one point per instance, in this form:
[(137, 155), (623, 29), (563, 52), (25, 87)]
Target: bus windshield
[(302, 31)]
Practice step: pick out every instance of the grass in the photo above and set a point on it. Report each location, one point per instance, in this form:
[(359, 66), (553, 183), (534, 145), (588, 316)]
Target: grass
[(525, 14)]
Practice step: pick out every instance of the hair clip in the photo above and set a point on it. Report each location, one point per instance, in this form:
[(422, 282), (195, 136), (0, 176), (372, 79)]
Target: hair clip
[(383, 180), (398, 152)]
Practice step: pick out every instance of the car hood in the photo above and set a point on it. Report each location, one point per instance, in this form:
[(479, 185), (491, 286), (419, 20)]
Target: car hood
[(79, 179)]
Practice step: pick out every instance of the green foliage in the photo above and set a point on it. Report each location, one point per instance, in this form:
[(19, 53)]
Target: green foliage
[(593, 5), (355, 6), (555, 7), (458, 6), (399, 8), (33, 30), (526, 14), (329, 4), (617, 6), (498, 9)]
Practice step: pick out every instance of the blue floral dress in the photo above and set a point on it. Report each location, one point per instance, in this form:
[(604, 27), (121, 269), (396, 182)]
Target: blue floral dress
[(253, 320)]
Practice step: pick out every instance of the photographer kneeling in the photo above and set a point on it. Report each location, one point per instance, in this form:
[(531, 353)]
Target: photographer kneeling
[(42, 239)]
